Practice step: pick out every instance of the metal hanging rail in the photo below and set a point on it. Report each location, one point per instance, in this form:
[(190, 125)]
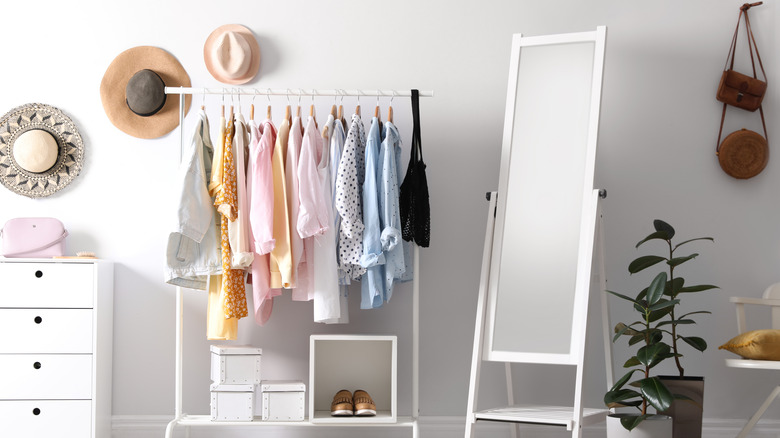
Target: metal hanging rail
[(293, 92)]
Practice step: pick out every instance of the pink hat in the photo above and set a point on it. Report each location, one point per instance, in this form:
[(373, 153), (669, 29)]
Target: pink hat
[(232, 54)]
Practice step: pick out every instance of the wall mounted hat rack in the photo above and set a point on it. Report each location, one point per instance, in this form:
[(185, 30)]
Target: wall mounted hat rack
[(182, 419)]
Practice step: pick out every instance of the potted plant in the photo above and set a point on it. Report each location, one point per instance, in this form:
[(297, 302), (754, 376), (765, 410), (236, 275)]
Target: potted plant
[(687, 414), (638, 388)]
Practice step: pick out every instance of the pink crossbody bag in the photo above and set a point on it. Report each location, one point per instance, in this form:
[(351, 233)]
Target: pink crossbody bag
[(33, 237)]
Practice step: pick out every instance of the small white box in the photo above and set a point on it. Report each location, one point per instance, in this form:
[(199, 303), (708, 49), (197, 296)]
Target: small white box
[(235, 364), (283, 400), (232, 402)]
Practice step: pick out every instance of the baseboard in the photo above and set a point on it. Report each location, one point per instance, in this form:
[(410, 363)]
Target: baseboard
[(153, 426)]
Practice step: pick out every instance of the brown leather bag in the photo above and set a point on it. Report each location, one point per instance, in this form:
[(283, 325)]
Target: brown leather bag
[(737, 89)]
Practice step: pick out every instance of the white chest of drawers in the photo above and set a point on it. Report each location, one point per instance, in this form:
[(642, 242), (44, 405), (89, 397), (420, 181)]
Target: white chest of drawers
[(56, 319)]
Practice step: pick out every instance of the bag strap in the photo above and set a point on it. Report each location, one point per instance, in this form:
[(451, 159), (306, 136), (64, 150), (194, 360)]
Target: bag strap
[(416, 142), (50, 244), (752, 42)]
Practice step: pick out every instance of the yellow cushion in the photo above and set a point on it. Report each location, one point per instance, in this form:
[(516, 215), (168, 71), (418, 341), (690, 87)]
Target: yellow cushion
[(756, 344)]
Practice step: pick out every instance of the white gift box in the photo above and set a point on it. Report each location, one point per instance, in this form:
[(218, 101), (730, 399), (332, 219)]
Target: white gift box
[(235, 364), (232, 402), (283, 400)]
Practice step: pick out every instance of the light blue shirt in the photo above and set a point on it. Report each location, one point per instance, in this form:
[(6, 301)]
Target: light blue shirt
[(372, 284), (397, 254)]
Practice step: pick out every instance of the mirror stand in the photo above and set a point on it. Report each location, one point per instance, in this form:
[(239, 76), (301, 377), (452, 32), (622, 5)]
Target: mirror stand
[(536, 280)]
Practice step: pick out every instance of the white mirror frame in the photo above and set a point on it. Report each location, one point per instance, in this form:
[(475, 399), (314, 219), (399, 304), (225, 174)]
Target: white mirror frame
[(572, 354)]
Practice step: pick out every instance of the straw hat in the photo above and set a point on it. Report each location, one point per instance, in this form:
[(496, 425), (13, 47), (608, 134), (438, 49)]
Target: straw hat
[(743, 154), (232, 54), (133, 91), (41, 151)]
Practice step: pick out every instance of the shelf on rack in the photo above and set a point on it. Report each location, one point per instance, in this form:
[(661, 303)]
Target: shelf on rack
[(554, 415), (380, 417)]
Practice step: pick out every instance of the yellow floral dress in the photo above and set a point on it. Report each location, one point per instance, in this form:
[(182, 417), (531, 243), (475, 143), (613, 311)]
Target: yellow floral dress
[(233, 287)]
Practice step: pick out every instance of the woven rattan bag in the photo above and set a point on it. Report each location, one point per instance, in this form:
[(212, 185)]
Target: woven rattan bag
[(743, 154)]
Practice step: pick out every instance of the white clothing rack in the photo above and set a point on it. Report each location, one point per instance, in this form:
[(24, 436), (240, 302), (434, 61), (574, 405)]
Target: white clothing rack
[(182, 419)]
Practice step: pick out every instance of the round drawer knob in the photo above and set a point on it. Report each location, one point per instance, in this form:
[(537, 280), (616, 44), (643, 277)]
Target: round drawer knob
[(38, 274), (38, 320), (36, 411), (37, 365)]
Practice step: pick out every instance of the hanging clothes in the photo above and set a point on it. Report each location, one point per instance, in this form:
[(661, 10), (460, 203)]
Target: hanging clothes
[(313, 217), (315, 223), (372, 284), (302, 289), (233, 294), (398, 253), (219, 326), (193, 251), (261, 214), (281, 255), (238, 230), (349, 183)]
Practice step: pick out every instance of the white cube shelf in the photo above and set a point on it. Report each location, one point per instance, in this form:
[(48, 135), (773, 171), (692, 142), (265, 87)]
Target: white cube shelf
[(353, 362)]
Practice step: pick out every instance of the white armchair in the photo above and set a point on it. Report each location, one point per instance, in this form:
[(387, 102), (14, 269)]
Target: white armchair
[(770, 298)]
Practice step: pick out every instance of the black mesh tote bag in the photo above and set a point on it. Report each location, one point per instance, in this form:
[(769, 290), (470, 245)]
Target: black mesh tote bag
[(415, 207)]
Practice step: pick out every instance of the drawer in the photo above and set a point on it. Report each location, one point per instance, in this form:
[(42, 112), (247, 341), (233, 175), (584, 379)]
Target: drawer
[(46, 418), (67, 285), (46, 330), (45, 376)]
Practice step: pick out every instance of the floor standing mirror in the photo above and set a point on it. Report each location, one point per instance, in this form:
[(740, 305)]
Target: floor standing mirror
[(536, 270)]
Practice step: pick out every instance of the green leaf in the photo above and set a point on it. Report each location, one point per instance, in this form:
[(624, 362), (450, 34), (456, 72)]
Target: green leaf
[(660, 314), (623, 296), (680, 260), (663, 304), (694, 313), (622, 381), (673, 287), (631, 362), (676, 322), (698, 288), (636, 339), (656, 393), (652, 354), (657, 235), (631, 421), (644, 262), (692, 240), (621, 398), (695, 342), (663, 226), (656, 289)]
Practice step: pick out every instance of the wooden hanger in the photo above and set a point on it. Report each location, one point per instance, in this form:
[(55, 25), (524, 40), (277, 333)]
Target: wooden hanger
[(222, 107), (268, 110), (376, 110), (390, 109), (203, 102)]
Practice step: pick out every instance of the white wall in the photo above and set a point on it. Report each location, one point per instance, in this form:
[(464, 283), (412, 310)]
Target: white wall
[(656, 158)]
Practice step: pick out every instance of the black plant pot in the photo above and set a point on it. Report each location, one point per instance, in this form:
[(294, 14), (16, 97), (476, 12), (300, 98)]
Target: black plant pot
[(687, 414)]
